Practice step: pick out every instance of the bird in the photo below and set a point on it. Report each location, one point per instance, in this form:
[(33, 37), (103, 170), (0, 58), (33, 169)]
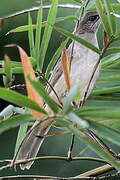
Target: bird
[(81, 70)]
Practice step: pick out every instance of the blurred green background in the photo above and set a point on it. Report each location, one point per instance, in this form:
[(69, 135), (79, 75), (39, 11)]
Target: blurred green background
[(55, 145)]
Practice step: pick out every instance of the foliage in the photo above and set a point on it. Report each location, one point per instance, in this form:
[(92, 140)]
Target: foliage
[(101, 112)]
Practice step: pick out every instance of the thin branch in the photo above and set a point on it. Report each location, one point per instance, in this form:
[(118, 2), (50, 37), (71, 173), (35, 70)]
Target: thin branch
[(41, 177), (45, 79), (95, 69), (29, 176), (17, 162), (54, 177), (97, 171), (72, 6), (18, 86)]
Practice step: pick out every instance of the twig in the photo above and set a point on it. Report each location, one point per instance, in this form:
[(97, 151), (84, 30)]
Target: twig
[(95, 68), (60, 178), (72, 6), (18, 86), (44, 78), (41, 177), (17, 162), (97, 171), (29, 176)]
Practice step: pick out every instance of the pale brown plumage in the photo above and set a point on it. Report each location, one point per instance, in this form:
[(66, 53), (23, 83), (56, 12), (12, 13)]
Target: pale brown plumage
[(82, 66)]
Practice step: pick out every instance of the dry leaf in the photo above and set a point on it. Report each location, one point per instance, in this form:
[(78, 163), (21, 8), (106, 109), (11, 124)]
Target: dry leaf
[(1, 23), (66, 68), (106, 39), (28, 71)]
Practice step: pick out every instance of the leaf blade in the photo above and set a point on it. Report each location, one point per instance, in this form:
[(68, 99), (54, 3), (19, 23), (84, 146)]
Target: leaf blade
[(47, 32), (78, 39)]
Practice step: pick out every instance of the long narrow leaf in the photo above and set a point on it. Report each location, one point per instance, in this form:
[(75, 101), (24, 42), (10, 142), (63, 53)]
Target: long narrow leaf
[(15, 121), (104, 112), (28, 71), (47, 32), (105, 155), (7, 77), (113, 77), (105, 132), (31, 37), (38, 34), (65, 62), (110, 59), (115, 6), (106, 90), (20, 100), (78, 39), (16, 70), (26, 27), (21, 134), (98, 149), (103, 16), (79, 1), (111, 18)]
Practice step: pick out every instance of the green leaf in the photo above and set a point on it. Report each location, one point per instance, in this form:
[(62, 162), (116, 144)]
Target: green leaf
[(55, 58), (113, 77), (7, 77), (79, 1), (103, 16), (21, 29), (105, 132), (17, 70), (15, 121), (13, 63), (115, 6), (78, 39), (105, 90), (99, 112), (38, 86), (110, 59), (110, 17), (20, 100), (26, 27), (38, 34), (67, 18), (98, 149), (20, 136), (113, 50), (30, 36), (47, 32)]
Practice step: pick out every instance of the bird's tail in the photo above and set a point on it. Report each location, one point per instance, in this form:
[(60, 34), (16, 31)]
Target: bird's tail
[(32, 142)]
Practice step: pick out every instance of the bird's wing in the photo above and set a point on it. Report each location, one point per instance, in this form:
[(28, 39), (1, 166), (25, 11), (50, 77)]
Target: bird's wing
[(57, 71), (56, 74)]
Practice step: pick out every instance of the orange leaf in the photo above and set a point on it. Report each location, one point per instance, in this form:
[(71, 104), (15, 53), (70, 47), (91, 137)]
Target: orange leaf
[(28, 71), (66, 68)]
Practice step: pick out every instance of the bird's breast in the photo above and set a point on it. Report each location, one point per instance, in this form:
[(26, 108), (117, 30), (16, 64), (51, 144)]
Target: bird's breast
[(82, 67)]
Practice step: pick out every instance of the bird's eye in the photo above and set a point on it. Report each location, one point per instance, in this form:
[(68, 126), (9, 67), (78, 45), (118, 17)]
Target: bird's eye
[(93, 18)]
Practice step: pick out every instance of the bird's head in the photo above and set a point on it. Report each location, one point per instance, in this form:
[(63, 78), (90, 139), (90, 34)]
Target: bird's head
[(89, 23)]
